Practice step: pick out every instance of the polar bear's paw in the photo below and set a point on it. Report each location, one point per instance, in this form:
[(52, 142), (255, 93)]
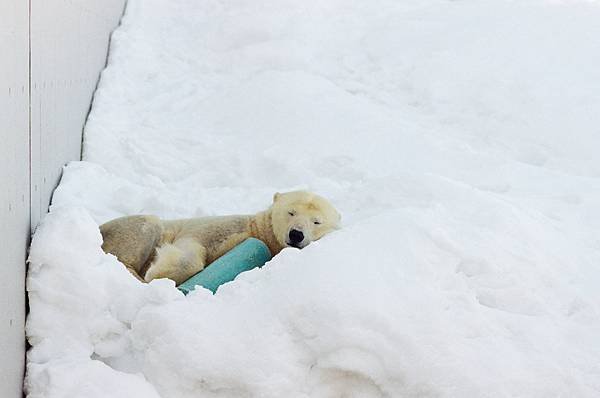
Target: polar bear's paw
[(178, 261)]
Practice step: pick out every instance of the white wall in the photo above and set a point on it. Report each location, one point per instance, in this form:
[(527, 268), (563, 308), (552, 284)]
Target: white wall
[(14, 190), (69, 44), (41, 121)]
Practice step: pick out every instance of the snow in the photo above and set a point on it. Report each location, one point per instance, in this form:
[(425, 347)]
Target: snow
[(459, 141)]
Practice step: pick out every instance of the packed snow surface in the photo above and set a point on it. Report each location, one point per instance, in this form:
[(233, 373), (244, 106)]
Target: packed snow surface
[(459, 139)]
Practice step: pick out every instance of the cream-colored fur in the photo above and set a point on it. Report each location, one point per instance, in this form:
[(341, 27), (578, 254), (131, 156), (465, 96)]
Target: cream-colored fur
[(151, 248)]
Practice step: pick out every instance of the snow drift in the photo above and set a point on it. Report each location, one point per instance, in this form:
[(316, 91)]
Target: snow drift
[(458, 140)]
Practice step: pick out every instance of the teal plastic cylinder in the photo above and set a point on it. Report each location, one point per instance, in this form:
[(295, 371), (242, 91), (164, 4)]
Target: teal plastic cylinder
[(248, 255)]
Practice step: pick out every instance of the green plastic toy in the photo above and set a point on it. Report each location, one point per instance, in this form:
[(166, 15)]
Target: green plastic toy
[(248, 255)]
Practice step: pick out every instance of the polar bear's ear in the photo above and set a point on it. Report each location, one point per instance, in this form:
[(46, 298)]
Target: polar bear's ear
[(276, 196)]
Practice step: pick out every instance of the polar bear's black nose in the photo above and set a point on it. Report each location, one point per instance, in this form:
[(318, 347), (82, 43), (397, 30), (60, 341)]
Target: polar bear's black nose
[(296, 236)]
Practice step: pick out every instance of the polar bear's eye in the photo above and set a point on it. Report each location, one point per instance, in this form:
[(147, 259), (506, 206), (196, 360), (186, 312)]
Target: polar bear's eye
[(317, 222), (292, 213)]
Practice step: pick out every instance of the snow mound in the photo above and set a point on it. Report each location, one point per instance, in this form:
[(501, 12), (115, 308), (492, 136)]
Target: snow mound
[(458, 141)]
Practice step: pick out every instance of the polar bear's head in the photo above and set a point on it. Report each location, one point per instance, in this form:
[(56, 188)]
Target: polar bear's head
[(301, 217)]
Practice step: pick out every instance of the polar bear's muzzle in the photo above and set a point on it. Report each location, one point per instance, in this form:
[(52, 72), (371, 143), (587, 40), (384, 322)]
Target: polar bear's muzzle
[(296, 238)]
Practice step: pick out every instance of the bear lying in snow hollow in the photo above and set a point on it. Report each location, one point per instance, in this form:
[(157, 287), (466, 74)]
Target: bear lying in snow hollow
[(152, 248)]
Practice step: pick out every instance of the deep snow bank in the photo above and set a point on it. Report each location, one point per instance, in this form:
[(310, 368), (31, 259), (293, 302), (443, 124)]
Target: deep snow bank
[(458, 140)]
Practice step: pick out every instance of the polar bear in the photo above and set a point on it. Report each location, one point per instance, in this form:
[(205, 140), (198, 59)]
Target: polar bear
[(151, 248)]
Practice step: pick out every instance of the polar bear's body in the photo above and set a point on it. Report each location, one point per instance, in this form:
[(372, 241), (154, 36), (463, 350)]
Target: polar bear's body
[(152, 248)]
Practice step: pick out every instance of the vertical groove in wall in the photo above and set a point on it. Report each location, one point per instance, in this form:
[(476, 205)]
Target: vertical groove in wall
[(29, 92), (28, 221)]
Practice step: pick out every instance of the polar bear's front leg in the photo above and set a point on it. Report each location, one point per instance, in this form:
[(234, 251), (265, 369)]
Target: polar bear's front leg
[(178, 261)]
